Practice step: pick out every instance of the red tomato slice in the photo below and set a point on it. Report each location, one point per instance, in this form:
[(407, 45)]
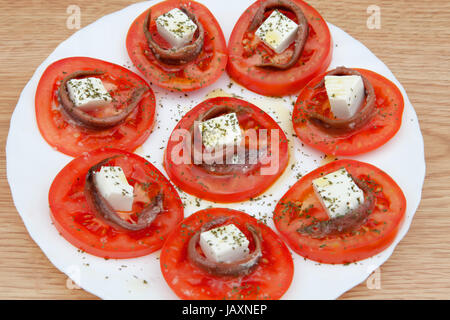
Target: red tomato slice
[(379, 130), (199, 73), (300, 206), (195, 180), (245, 50), (73, 140), (79, 225), (269, 280)]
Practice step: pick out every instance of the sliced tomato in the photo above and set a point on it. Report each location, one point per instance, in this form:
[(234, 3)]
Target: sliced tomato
[(270, 279), (235, 187), (379, 130), (79, 225), (199, 73), (300, 207), (72, 139), (245, 50)]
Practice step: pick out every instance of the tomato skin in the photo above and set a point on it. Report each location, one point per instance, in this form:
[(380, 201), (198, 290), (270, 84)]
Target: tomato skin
[(379, 130), (314, 60), (224, 189), (199, 73), (269, 280), (78, 225), (73, 140), (375, 236)]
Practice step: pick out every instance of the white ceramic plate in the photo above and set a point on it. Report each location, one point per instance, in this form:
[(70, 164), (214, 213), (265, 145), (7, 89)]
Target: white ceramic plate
[(32, 164)]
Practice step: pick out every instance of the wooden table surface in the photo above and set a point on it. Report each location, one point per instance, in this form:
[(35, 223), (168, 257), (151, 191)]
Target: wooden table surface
[(413, 40)]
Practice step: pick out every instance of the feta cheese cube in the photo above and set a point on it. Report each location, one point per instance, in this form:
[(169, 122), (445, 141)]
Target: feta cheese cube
[(224, 244), (88, 93), (338, 193), (221, 131), (176, 27), (277, 31), (345, 93), (113, 186)]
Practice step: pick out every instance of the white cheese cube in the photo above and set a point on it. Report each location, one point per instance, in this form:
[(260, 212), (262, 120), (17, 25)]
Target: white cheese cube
[(113, 186), (345, 93), (221, 131), (277, 31), (176, 27), (88, 93), (338, 193), (224, 244)]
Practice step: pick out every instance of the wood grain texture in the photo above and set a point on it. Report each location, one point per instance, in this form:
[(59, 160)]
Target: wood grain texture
[(413, 41)]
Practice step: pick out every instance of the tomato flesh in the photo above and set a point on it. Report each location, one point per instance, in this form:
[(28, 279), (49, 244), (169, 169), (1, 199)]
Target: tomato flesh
[(199, 73), (72, 139), (300, 207), (380, 129), (270, 279), (245, 50), (195, 180), (81, 227)]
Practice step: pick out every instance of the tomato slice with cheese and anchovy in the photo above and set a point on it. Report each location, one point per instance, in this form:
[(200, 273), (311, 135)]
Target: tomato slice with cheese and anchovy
[(124, 121), (86, 219), (255, 65), (195, 65), (265, 272), (368, 229), (378, 119), (238, 173)]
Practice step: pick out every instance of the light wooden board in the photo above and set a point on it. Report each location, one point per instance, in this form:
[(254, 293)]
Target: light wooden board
[(413, 41)]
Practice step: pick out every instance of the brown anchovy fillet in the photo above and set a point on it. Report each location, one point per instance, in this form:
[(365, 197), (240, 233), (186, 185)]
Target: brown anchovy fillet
[(302, 32), (243, 166), (350, 222), (220, 156), (103, 210), (176, 56), (238, 268), (86, 120), (362, 116)]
